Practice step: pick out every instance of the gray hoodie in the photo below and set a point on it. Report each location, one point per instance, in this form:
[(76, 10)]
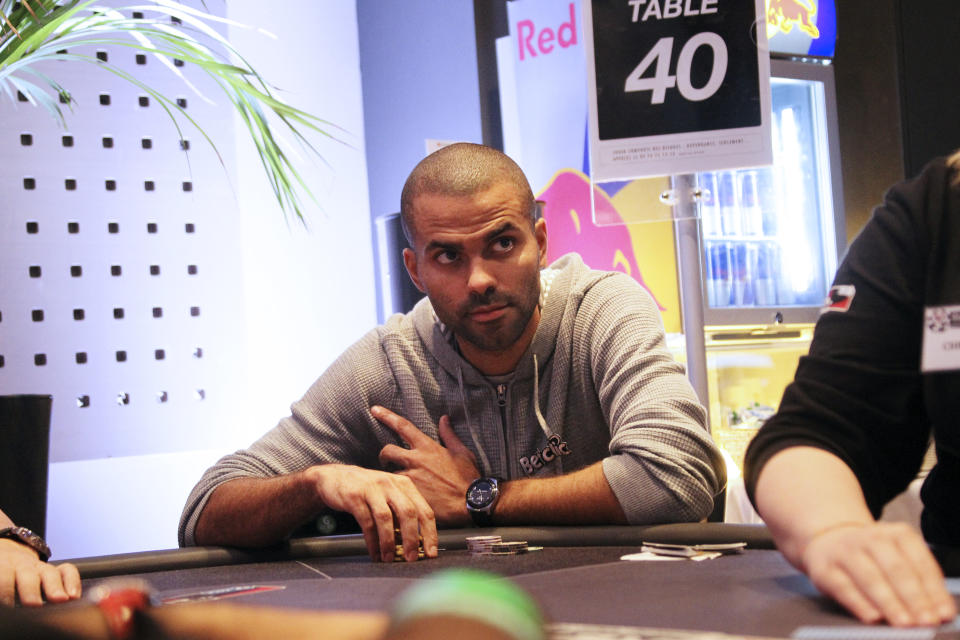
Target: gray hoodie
[(597, 383)]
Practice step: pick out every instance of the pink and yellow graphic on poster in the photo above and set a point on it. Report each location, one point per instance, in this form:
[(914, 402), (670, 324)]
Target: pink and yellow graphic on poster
[(643, 251)]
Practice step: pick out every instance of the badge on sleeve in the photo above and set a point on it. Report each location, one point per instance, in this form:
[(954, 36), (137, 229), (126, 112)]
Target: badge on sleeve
[(941, 339), (839, 299)]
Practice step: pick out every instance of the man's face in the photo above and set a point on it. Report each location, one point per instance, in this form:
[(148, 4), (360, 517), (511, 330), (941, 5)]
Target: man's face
[(478, 260)]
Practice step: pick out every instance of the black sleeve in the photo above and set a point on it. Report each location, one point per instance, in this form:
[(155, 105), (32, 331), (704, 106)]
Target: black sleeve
[(858, 394)]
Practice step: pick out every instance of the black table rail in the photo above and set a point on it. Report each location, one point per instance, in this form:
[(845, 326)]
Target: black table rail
[(756, 537)]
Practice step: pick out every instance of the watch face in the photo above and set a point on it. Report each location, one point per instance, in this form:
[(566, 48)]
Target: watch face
[(481, 493)]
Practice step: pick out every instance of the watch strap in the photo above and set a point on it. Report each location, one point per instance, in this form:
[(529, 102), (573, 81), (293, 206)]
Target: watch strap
[(27, 538), (481, 518)]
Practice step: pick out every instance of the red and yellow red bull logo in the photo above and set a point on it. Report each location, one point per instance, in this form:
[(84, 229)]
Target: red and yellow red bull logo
[(814, 21), (783, 15)]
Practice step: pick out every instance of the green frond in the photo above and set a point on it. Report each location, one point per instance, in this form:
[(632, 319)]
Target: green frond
[(34, 31)]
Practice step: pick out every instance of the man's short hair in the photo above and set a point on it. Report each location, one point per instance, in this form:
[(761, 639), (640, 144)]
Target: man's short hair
[(462, 169)]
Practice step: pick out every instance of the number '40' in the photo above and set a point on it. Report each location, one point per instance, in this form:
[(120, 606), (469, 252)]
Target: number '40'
[(662, 80)]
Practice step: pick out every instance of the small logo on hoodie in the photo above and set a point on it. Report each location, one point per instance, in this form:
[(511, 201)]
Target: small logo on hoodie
[(554, 449)]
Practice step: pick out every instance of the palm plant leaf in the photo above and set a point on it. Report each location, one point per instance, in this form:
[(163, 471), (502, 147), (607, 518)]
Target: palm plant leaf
[(34, 31)]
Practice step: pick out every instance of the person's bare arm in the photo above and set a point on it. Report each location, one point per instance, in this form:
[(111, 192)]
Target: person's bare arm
[(443, 474), (255, 512), (815, 509), (580, 497)]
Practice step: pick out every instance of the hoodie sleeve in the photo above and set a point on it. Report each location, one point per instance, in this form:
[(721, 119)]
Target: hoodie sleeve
[(663, 465), (331, 423)]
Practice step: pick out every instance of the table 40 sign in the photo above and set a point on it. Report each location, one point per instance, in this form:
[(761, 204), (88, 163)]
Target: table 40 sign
[(705, 49)]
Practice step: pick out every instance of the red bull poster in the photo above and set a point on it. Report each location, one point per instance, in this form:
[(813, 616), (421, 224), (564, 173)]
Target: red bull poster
[(676, 86), (542, 71)]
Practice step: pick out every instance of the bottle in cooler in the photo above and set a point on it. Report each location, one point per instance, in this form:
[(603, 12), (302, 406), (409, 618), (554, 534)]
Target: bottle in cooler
[(741, 277), (709, 211), (766, 190), (750, 212), (765, 284), (727, 199), (720, 277), (711, 279)]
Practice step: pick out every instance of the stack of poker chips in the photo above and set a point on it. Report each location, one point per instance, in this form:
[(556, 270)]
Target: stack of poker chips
[(495, 546), (398, 551)]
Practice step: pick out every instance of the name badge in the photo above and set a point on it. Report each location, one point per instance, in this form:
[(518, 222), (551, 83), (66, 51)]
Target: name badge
[(941, 339)]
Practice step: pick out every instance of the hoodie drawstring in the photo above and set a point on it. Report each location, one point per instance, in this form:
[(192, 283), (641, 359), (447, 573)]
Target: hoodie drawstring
[(486, 469), (547, 431)]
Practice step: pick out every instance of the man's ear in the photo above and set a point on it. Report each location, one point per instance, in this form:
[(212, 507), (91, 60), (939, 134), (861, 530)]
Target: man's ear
[(410, 262), (540, 232)]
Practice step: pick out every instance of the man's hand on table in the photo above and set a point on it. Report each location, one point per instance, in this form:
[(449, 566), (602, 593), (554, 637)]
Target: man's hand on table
[(377, 499), (879, 571), (442, 473), (23, 575)]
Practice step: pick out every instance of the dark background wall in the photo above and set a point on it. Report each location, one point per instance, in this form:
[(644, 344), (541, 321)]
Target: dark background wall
[(897, 68)]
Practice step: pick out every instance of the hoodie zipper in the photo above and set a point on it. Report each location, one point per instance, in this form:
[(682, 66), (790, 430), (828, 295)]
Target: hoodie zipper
[(502, 403)]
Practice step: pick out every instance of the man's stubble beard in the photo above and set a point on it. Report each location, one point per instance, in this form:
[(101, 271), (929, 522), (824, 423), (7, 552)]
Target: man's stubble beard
[(505, 337)]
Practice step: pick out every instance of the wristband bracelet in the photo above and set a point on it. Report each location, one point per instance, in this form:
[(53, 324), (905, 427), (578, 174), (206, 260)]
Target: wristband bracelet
[(119, 605)]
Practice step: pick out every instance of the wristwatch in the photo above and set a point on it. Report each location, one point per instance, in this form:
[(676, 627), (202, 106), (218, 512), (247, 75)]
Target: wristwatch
[(28, 538), (482, 497)]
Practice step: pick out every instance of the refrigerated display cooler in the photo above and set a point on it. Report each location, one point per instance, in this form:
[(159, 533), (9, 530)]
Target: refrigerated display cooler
[(771, 235), (770, 240)]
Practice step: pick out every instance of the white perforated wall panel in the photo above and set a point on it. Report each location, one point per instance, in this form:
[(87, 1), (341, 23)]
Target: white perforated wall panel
[(119, 265)]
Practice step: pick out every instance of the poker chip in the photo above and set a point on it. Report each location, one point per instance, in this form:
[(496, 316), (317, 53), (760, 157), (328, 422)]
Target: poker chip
[(496, 546), (398, 549), (482, 545), (509, 548)]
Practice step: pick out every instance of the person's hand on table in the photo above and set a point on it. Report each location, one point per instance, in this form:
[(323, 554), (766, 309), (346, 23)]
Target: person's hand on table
[(879, 571), (442, 473), (25, 576), (376, 499)]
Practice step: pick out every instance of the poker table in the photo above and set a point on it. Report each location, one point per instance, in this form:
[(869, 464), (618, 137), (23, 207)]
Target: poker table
[(577, 577)]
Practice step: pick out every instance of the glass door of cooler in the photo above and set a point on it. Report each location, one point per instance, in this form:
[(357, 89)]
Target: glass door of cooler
[(771, 235)]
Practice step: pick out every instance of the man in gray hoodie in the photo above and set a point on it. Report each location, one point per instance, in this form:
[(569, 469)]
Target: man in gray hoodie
[(544, 394)]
